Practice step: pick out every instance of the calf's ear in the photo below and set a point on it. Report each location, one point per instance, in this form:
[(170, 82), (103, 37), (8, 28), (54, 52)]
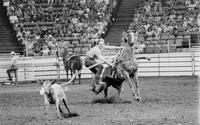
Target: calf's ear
[(40, 81)]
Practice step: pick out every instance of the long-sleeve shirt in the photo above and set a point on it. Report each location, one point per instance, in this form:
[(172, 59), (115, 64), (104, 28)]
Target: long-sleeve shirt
[(95, 53), (14, 61)]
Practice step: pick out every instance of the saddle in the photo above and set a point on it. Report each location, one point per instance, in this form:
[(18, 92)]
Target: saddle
[(112, 76)]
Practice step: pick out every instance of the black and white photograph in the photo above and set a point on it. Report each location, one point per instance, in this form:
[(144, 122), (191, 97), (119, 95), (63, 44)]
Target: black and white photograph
[(99, 62)]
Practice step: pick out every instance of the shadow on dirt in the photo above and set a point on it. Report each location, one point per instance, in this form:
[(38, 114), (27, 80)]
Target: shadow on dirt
[(69, 115), (151, 100), (111, 100)]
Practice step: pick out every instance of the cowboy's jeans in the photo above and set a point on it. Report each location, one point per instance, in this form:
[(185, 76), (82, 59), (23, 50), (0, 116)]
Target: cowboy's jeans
[(97, 70), (10, 70)]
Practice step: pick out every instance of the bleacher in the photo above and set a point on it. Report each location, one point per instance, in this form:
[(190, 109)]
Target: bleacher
[(74, 24), (175, 35), (40, 18)]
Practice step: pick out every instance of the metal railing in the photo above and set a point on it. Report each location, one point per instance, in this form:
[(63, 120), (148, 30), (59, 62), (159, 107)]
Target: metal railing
[(161, 64)]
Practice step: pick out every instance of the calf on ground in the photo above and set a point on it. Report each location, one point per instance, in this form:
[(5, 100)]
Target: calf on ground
[(53, 94)]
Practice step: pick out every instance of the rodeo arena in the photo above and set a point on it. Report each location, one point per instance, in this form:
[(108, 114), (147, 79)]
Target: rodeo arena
[(99, 62)]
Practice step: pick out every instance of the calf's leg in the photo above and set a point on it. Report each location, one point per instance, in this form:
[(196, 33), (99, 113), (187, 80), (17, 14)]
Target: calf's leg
[(57, 108), (65, 103)]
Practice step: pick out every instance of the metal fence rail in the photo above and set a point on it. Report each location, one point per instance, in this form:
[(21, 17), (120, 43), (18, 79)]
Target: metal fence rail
[(161, 64)]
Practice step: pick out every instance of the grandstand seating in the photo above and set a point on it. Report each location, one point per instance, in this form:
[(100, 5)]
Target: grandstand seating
[(61, 20), (162, 13), (40, 18)]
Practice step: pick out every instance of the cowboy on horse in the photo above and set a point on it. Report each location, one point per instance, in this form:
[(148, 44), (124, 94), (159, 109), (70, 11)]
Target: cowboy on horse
[(127, 67)]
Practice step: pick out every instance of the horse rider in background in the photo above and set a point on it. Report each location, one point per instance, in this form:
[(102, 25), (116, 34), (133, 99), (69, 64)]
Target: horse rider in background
[(93, 56)]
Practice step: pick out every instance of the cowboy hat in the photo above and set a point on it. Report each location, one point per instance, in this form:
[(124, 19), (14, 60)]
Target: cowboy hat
[(12, 53)]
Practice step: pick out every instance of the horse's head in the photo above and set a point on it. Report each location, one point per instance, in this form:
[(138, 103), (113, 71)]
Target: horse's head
[(67, 53), (66, 56)]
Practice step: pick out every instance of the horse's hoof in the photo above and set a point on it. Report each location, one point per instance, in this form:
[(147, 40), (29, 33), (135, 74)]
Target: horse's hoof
[(138, 99)]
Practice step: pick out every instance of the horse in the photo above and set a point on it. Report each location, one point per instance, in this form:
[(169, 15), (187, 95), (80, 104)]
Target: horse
[(72, 62), (112, 77)]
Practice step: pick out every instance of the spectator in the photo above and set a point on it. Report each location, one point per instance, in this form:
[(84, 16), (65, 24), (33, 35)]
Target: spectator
[(13, 19), (6, 3), (150, 32)]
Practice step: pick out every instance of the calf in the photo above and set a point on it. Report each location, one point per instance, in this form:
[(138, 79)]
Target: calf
[(53, 94)]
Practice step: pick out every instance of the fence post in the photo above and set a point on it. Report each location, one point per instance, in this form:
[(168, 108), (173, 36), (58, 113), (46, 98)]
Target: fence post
[(26, 47), (158, 64), (168, 46), (189, 40), (58, 67), (193, 63)]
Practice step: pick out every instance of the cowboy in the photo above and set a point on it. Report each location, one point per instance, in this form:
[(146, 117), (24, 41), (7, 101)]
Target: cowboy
[(94, 56), (13, 67)]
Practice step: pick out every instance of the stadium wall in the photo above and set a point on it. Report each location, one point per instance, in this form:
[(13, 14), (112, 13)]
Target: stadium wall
[(161, 64)]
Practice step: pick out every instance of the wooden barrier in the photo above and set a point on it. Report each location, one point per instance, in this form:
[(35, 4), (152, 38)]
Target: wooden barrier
[(161, 64)]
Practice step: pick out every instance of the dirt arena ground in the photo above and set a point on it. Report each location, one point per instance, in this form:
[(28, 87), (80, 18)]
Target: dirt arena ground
[(165, 101)]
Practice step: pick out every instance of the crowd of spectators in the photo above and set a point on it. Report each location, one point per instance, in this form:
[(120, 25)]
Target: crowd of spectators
[(156, 19), (41, 25)]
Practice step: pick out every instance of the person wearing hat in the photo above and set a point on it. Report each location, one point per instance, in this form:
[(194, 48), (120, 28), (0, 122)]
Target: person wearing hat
[(13, 67), (94, 56)]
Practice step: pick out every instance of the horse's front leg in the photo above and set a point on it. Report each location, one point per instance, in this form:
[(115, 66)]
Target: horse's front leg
[(130, 82), (67, 74), (119, 91), (105, 90), (73, 73), (79, 76), (135, 79)]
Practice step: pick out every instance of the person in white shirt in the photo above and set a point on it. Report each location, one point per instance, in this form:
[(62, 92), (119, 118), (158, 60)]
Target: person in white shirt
[(198, 21), (94, 56), (6, 3), (133, 34), (13, 19), (13, 67)]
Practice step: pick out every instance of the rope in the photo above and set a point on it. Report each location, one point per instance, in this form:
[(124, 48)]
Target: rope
[(77, 73)]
